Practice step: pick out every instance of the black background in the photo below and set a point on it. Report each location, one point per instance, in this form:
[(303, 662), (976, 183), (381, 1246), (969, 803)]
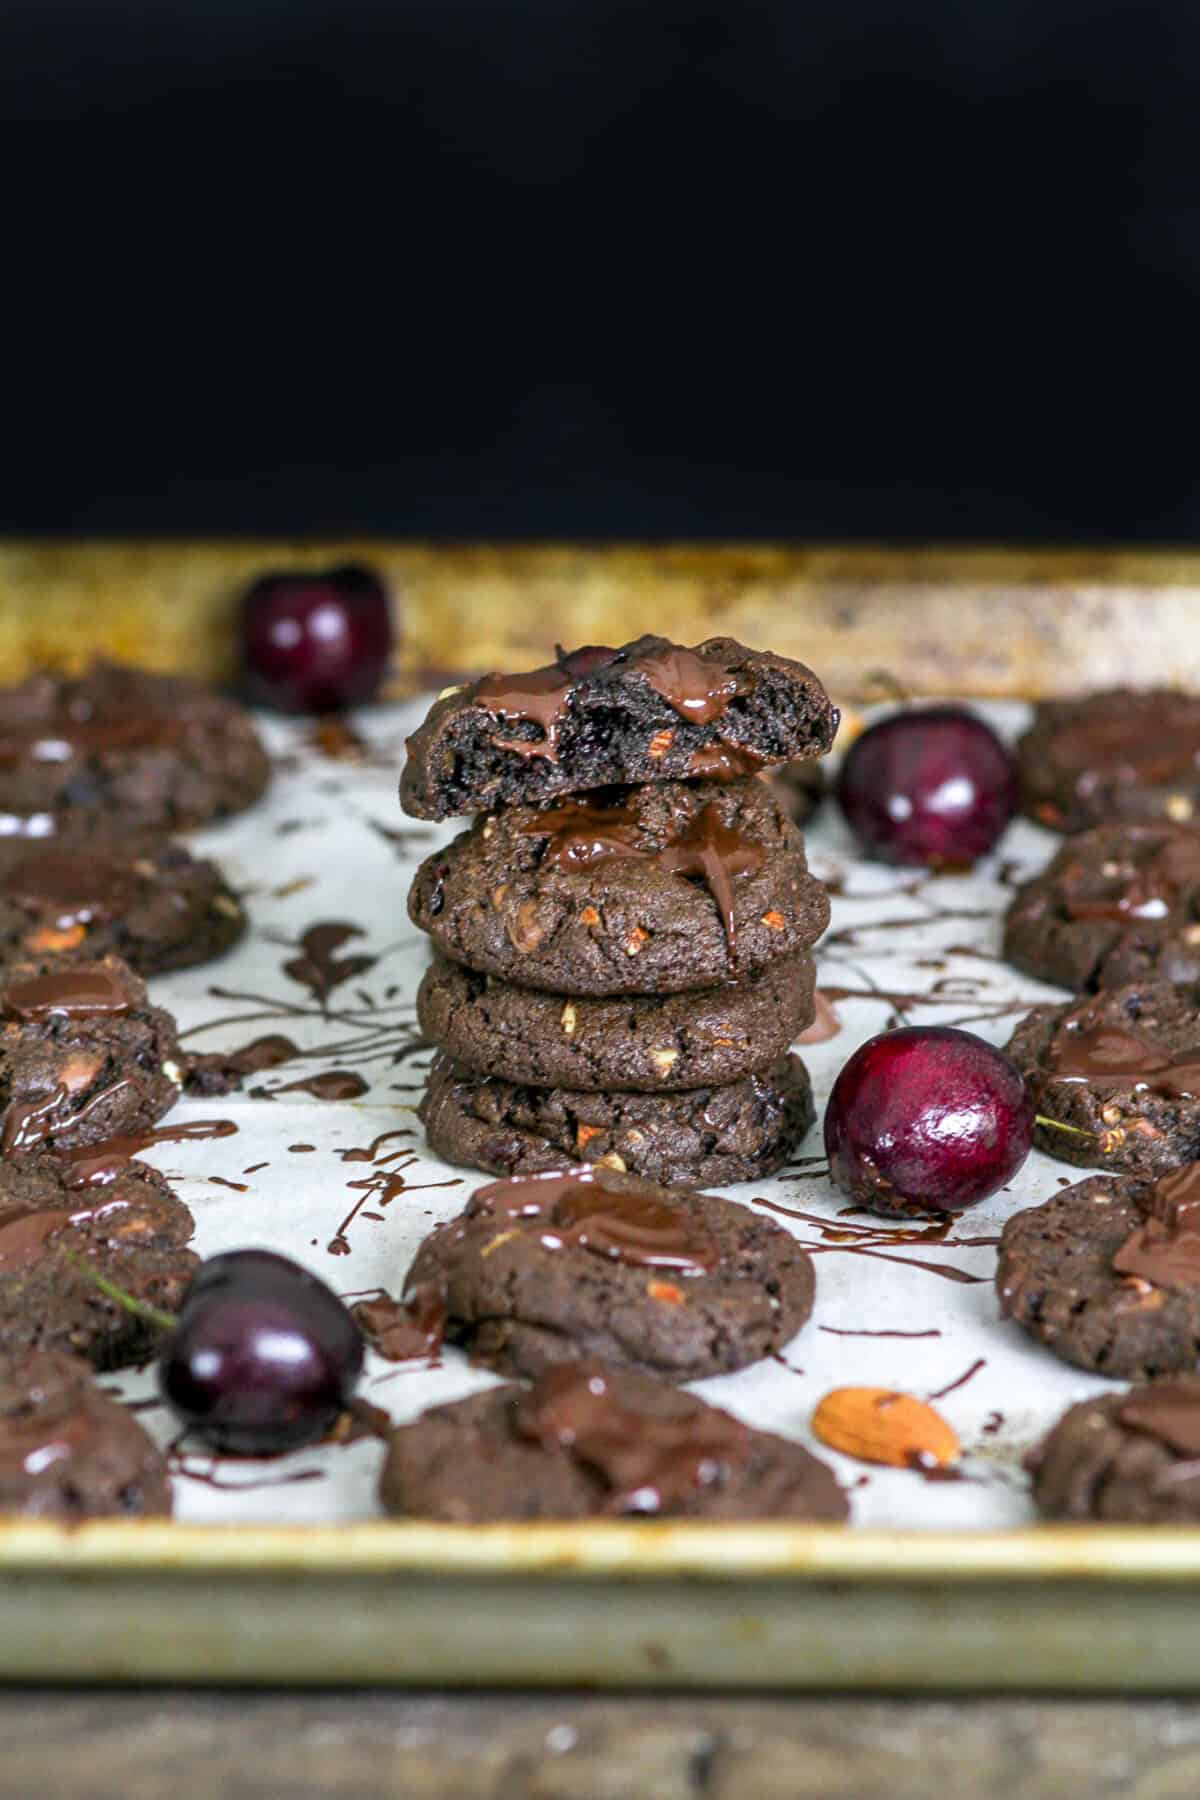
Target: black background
[(847, 268)]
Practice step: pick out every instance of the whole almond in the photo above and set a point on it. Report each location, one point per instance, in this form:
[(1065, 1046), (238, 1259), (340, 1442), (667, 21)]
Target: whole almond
[(879, 1425)]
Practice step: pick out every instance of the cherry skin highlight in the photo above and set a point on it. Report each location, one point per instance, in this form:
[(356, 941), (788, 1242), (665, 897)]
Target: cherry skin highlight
[(263, 1356), (314, 643), (927, 1119), (931, 786)]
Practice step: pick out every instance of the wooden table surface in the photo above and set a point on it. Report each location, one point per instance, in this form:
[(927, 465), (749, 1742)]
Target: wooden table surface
[(109, 1745)]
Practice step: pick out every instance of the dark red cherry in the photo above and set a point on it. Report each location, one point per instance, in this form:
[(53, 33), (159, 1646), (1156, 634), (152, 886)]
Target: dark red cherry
[(313, 643), (263, 1356), (931, 785), (926, 1120)]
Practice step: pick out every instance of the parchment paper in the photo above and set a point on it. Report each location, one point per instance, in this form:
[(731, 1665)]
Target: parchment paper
[(330, 844)]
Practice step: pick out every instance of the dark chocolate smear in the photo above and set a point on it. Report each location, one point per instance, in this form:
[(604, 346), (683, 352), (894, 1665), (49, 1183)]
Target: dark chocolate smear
[(81, 992), (648, 1462), (1167, 1410), (580, 1211), (69, 887)]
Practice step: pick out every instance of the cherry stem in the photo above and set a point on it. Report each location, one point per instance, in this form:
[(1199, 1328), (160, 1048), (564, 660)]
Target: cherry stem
[(885, 680), (1057, 1125), (153, 1315)]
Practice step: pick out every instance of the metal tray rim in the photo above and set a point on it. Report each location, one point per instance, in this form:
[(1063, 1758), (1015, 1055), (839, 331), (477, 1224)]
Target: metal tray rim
[(644, 1551)]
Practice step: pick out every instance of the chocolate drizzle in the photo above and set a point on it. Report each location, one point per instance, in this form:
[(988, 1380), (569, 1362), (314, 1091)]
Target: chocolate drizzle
[(29, 1123), (648, 1461), (79, 992), (1165, 1248), (405, 1329), (95, 1164), (330, 1084), (581, 1210), (318, 968)]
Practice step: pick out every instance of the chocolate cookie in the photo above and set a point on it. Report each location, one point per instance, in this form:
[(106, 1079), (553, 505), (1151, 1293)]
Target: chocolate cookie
[(1122, 1068), (651, 890), (69, 1452), (650, 711), (585, 1262), (799, 787), (120, 1219), (1121, 754), (123, 750), (83, 1055), (706, 1137), (1130, 1459), (157, 907), (1118, 904), (1107, 1274), (589, 1441), (655, 1044)]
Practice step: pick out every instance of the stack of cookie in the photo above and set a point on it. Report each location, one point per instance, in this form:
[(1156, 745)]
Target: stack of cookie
[(622, 936)]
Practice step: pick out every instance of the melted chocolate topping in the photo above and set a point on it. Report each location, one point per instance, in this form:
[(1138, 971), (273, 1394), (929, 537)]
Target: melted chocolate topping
[(579, 836), (580, 1211), (63, 737), (24, 1231), (540, 696), (1167, 1410), (81, 992), (1136, 744), (1148, 891), (1165, 1248), (714, 852), (1112, 1056), (70, 887), (698, 688), (648, 1462), (724, 762)]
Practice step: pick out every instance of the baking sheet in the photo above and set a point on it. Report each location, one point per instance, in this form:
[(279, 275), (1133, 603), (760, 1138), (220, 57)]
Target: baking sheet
[(330, 844)]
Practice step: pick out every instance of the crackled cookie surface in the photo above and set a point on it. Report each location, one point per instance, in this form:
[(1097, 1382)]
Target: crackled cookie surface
[(591, 1263), (123, 750), (589, 1441), (651, 1043), (652, 890), (84, 1056)]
